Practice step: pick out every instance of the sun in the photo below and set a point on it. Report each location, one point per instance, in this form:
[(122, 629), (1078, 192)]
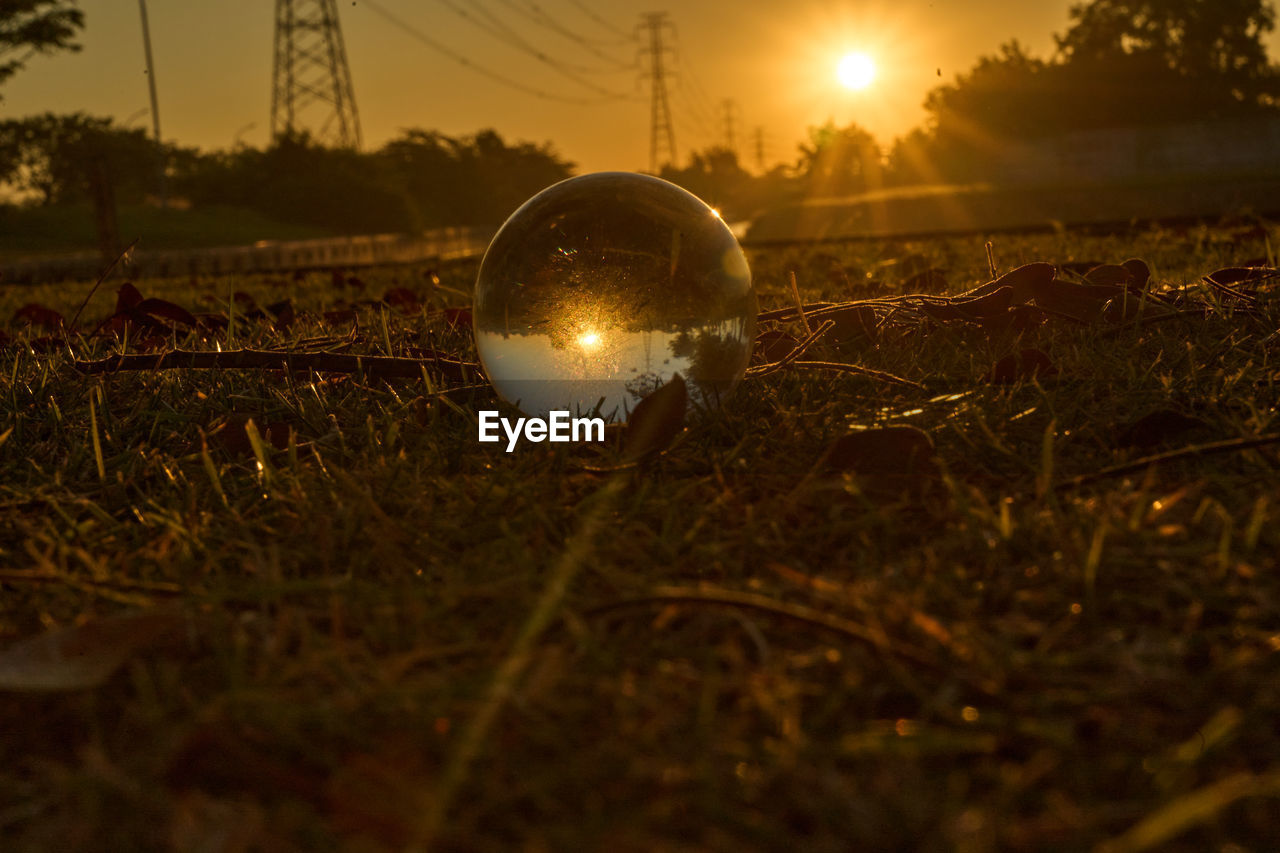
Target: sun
[(856, 71)]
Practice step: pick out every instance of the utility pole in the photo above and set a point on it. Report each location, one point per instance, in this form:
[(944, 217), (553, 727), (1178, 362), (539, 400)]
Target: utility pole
[(311, 69), (662, 135), (729, 110), (155, 104)]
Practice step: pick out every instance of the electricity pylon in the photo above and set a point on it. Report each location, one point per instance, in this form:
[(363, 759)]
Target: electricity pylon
[(311, 75), (661, 131)]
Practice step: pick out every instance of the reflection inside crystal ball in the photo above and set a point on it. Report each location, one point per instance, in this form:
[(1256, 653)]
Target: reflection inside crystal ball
[(601, 288)]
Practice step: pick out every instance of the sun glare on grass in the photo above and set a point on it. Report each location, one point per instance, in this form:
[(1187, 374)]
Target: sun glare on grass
[(856, 71)]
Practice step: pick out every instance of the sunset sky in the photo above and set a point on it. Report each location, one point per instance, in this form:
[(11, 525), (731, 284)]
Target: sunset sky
[(777, 61)]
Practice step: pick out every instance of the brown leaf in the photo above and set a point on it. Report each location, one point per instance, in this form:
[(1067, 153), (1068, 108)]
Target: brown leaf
[(233, 435), (773, 345), (857, 323), (1111, 274), (1084, 302), (978, 310), (82, 656), (283, 312), (127, 298), (656, 421), (1158, 427), (1023, 365), (35, 314), (1235, 275), (1079, 267), (1023, 280), (885, 450), (457, 316), (403, 298), (163, 309), (1139, 272)]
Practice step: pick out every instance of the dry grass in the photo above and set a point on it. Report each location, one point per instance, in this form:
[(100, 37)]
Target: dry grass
[(388, 632)]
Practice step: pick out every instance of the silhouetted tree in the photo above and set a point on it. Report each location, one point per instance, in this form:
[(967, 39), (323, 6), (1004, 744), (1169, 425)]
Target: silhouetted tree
[(715, 176), (1121, 63), (839, 161), (35, 26), (51, 156)]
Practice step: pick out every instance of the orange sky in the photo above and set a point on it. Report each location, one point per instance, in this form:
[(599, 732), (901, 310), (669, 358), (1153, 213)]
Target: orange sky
[(776, 60)]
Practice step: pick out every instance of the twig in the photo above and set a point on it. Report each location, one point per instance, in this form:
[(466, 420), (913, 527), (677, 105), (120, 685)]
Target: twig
[(790, 311), (245, 359), (795, 294), (1229, 290), (1227, 446), (841, 367), (105, 273), (795, 353)]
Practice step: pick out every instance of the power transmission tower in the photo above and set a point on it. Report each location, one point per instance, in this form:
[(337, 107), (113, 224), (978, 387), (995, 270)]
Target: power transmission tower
[(729, 109), (760, 149), (310, 70), (661, 131)]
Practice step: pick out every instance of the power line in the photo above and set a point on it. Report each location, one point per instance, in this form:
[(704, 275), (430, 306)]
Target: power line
[(624, 36), (539, 16), (425, 39), (661, 133), (499, 30)]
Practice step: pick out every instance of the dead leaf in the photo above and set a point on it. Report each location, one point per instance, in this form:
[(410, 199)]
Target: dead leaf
[(457, 316), (35, 314), (1023, 280), (402, 298), (1083, 302), (163, 309), (1139, 272), (1023, 365), (857, 323), (656, 421), (976, 310), (773, 345), (1112, 274), (232, 435), (82, 656), (884, 450), (127, 298), (1235, 275), (1158, 427)]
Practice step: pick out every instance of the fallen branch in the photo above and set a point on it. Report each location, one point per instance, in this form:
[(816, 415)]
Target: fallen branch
[(1228, 446), (796, 352), (841, 367), (379, 366)]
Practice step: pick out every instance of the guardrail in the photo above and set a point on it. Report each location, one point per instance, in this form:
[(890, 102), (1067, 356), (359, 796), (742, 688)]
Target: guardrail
[(439, 245)]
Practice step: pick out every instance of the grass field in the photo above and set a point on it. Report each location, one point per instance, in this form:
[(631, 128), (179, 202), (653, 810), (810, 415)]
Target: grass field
[(351, 626), (69, 228)]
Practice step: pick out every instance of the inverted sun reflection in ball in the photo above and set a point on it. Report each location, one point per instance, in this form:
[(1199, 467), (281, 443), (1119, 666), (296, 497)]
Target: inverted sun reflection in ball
[(601, 288)]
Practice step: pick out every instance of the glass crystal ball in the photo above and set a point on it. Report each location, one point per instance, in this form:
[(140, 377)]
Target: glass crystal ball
[(602, 287)]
